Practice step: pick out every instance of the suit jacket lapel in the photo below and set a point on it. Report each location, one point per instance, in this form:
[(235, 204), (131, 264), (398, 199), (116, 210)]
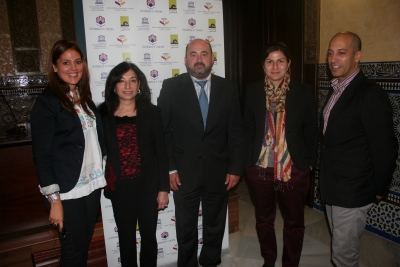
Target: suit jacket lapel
[(346, 95), (190, 100), (215, 96)]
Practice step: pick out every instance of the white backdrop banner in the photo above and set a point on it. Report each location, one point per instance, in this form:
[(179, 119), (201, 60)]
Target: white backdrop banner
[(153, 34)]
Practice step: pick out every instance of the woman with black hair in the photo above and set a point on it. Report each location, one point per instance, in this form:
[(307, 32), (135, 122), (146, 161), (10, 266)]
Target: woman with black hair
[(137, 164), (281, 131)]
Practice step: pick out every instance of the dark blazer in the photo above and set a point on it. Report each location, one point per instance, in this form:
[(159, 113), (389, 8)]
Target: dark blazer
[(153, 154), (58, 142), (359, 149), (301, 124), (199, 154)]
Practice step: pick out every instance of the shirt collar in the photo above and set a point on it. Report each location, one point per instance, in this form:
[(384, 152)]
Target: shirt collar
[(341, 86)]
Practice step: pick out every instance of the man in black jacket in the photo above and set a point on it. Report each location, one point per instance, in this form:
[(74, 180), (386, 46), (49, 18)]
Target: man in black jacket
[(204, 137), (359, 149)]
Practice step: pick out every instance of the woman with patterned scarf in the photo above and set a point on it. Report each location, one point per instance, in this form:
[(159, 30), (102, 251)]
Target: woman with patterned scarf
[(281, 130)]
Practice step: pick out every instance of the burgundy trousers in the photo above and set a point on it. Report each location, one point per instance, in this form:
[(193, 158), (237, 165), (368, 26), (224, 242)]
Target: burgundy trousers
[(291, 199)]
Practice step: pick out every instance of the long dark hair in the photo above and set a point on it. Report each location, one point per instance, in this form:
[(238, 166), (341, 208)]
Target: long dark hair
[(60, 88), (115, 75)]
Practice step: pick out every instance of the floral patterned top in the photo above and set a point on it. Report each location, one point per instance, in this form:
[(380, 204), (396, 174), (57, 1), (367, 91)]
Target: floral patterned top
[(92, 172)]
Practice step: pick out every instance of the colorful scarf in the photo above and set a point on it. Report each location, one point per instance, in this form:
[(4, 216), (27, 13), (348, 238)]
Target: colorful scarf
[(274, 136)]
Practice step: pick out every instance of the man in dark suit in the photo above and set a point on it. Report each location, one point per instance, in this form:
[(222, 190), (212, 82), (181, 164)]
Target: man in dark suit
[(359, 149), (203, 132)]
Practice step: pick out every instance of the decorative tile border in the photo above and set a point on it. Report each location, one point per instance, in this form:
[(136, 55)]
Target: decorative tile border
[(18, 97), (375, 70), (16, 81)]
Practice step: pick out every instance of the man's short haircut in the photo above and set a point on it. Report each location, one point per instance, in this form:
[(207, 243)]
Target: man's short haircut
[(356, 42), (197, 39)]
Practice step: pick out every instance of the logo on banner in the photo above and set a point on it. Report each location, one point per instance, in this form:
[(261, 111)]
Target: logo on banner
[(126, 56), (101, 39), (122, 39), (159, 224), (212, 24), (151, 4), (191, 4), (154, 74), (174, 39), (200, 241), (200, 216), (101, 21), (116, 229), (145, 21), (124, 20), (103, 58), (138, 242), (103, 75), (99, 2), (103, 95), (175, 247), (119, 259), (164, 21), (191, 38), (152, 39), (172, 5), (164, 235), (146, 57), (120, 3), (165, 56), (209, 39), (160, 253), (173, 217), (208, 6), (215, 57), (192, 22), (200, 227), (175, 73)]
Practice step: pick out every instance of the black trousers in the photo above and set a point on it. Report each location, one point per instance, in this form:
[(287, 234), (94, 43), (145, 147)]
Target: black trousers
[(131, 206), (79, 219), (214, 206)]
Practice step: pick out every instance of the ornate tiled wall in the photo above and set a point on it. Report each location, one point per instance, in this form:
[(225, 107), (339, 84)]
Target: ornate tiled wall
[(17, 96), (6, 56), (383, 219)]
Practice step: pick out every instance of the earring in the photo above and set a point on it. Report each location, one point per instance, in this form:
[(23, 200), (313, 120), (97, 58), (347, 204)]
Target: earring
[(115, 91), (138, 91)]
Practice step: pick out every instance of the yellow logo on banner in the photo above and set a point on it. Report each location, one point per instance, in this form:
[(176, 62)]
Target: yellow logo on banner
[(124, 20), (126, 56), (172, 4), (215, 56), (212, 23), (174, 39), (175, 72)]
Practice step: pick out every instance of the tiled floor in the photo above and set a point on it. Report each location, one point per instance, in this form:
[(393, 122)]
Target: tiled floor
[(245, 251)]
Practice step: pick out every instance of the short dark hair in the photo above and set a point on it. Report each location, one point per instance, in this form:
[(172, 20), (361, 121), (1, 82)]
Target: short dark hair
[(194, 40), (275, 46), (59, 87), (115, 75)]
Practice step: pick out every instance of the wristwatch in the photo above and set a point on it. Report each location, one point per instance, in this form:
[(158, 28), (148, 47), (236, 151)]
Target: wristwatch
[(53, 197)]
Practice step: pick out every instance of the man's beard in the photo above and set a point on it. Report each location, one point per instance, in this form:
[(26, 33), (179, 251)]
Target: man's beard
[(199, 74)]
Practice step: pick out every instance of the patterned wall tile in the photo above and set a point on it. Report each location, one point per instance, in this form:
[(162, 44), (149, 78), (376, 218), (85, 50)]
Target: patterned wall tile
[(49, 28), (6, 57)]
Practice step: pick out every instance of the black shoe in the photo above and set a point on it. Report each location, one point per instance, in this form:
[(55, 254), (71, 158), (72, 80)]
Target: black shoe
[(265, 265)]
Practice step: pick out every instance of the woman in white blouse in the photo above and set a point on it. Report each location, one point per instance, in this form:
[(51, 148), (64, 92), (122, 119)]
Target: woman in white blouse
[(68, 151)]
